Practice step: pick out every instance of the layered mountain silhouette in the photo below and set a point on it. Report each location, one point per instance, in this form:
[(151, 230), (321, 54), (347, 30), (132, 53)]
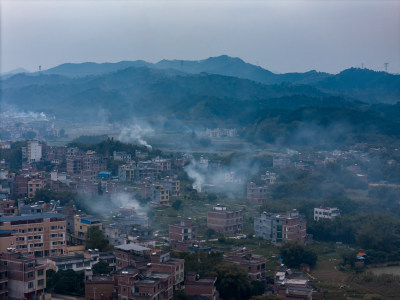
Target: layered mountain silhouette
[(223, 91)]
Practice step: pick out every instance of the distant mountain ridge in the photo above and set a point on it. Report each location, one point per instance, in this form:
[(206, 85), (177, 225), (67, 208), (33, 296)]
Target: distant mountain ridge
[(362, 84), (217, 92)]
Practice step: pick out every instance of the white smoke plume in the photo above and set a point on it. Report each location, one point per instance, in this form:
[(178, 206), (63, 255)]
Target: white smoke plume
[(136, 133)]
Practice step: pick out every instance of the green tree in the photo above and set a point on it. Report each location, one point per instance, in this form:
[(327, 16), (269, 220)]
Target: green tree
[(257, 288), (177, 204), (232, 282), (95, 239), (294, 255), (101, 267), (66, 282)]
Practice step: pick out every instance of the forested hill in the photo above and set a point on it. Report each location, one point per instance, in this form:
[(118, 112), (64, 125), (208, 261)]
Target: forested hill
[(362, 84), (220, 91)]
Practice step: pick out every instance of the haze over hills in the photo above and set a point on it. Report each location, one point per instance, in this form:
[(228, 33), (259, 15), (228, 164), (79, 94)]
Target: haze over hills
[(220, 91)]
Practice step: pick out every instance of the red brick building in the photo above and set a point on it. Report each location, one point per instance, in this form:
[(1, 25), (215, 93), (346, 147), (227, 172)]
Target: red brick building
[(134, 284), (203, 287), (3, 282), (99, 287), (182, 235), (256, 194), (225, 221), (26, 279), (131, 255), (253, 264), (162, 262)]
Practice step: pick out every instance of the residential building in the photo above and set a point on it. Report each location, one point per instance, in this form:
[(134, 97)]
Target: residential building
[(256, 194), (26, 278), (7, 208), (37, 234), (291, 285), (200, 287), (33, 186), (131, 255), (122, 156), (3, 281), (326, 213), (99, 287), (282, 227), (186, 230), (253, 264), (34, 151), (159, 195), (143, 285), (225, 221), (269, 177), (162, 262), (82, 223)]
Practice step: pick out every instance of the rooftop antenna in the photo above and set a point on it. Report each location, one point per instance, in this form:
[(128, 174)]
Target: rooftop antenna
[(386, 66)]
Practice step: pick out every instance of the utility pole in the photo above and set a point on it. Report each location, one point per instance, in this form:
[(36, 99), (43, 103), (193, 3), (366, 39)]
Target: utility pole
[(386, 66), (94, 292)]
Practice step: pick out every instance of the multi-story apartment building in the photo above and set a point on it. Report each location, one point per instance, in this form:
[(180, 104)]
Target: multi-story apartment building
[(326, 213), (174, 186), (225, 221), (137, 285), (26, 279), (269, 177), (131, 255), (203, 287), (122, 156), (256, 194), (99, 287), (34, 151), (37, 234), (81, 227), (253, 264), (163, 263), (20, 189), (184, 231), (3, 282), (7, 208), (282, 227), (159, 195), (33, 186)]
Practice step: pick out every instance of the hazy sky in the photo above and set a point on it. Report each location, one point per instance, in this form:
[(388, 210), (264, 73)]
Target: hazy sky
[(282, 36)]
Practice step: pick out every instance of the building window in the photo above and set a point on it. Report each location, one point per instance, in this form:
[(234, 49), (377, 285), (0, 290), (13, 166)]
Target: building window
[(30, 285)]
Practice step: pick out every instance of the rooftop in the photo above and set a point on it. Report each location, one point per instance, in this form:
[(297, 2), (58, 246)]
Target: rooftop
[(31, 217), (132, 247)]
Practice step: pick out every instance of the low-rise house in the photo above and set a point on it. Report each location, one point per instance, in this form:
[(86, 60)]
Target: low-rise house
[(99, 287), (200, 287), (326, 213), (138, 284), (131, 255), (253, 264), (291, 285)]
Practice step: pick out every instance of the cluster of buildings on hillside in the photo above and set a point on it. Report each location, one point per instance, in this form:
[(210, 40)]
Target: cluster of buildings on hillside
[(221, 132), (22, 126), (52, 236)]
